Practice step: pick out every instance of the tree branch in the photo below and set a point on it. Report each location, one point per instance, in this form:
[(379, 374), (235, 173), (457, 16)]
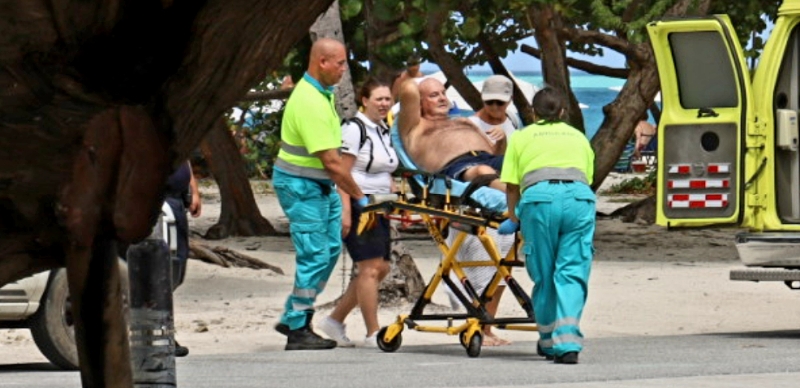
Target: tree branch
[(681, 7), (225, 257), (450, 66), (586, 66), (578, 35), (267, 95)]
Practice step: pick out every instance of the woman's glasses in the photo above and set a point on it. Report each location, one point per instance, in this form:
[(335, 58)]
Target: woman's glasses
[(495, 102)]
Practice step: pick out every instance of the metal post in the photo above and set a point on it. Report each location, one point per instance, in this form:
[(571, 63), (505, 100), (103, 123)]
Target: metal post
[(151, 316)]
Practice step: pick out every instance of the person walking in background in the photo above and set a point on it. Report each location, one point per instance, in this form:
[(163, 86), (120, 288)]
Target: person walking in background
[(367, 150), (493, 118), (306, 169), (548, 169), (182, 194)]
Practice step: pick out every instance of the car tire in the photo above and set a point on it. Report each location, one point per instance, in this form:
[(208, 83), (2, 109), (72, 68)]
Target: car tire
[(52, 325)]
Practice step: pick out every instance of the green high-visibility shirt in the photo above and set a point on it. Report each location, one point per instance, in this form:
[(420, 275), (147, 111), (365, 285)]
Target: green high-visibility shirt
[(546, 144), (310, 121)]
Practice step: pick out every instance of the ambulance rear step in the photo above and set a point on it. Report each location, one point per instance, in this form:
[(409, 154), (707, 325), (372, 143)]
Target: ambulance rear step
[(790, 277)]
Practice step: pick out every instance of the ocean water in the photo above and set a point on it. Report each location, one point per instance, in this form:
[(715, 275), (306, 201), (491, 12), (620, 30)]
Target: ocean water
[(592, 91)]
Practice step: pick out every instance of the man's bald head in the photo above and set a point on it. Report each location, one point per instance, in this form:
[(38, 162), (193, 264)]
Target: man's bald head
[(427, 84), (433, 100), (325, 47), (328, 61)]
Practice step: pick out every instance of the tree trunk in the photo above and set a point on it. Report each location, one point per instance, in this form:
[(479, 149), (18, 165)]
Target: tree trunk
[(379, 32), (622, 114), (329, 25), (450, 66), (404, 281), (239, 215), (546, 23)]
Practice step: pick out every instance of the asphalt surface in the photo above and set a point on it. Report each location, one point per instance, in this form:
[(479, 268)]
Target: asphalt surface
[(761, 359)]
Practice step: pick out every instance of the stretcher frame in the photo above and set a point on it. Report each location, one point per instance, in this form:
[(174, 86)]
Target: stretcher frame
[(437, 214)]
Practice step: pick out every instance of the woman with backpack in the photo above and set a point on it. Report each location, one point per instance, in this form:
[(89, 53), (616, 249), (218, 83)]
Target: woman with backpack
[(367, 148)]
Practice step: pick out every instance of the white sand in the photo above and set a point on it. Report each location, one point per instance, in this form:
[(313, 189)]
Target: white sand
[(645, 281)]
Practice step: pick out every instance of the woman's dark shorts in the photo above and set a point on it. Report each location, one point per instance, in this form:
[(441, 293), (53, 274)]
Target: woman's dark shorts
[(373, 243)]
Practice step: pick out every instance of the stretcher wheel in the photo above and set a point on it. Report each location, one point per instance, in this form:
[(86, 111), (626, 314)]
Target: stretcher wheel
[(392, 345), (462, 337), (474, 347)]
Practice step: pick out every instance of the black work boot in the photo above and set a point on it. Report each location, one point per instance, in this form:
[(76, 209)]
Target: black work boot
[(305, 339), (567, 358), (282, 328), (181, 351)]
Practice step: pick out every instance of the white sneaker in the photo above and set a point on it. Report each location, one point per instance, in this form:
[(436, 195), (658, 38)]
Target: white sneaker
[(371, 341), (336, 331)]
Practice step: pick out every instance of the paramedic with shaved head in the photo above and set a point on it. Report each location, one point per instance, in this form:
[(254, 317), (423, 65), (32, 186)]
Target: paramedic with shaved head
[(548, 168), (307, 172)]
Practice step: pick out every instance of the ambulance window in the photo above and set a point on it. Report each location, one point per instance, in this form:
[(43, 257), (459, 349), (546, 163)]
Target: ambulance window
[(704, 70)]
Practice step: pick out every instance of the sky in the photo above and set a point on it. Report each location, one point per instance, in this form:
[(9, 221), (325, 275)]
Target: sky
[(519, 61)]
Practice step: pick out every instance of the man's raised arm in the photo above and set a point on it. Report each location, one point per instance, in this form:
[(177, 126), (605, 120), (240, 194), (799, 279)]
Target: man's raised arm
[(410, 112)]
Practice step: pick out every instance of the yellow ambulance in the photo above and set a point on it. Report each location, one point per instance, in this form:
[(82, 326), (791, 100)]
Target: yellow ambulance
[(728, 151)]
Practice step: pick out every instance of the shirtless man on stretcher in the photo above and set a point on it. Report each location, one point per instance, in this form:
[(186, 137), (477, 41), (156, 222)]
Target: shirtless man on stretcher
[(437, 143)]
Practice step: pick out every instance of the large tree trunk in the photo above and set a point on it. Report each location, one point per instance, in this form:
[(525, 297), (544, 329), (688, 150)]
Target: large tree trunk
[(546, 23), (98, 100), (450, 66), (329, 25), (379, 32), (239, 215), (623, 113)]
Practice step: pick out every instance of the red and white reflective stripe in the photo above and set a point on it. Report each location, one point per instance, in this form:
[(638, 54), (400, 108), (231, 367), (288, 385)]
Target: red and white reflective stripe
[(718, 168), (683, 169), (697, 201), (698, 183)]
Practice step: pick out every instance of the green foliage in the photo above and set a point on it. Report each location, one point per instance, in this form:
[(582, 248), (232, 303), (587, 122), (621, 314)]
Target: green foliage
[(257, 131), (636, 185), (350, 9)]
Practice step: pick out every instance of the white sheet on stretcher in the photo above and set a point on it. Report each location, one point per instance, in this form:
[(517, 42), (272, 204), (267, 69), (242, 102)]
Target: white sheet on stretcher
[(472, 250)]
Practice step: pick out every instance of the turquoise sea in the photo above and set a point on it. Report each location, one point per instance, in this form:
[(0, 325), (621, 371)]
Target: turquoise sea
[(592, 91)]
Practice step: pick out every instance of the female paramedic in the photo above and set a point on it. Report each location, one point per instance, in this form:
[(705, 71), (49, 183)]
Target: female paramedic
[(367, 150), (552, 164)]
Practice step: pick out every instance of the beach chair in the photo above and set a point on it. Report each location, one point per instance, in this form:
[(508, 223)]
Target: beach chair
[(441, 202), (624, 162)]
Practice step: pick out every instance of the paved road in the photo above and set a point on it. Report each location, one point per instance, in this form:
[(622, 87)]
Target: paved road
[(763, 359)]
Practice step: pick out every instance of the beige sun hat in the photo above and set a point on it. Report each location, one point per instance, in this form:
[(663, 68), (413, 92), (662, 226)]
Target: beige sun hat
[(497, 87)]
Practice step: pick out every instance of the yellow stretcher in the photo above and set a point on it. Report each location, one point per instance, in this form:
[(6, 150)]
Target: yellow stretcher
[(438, 210)]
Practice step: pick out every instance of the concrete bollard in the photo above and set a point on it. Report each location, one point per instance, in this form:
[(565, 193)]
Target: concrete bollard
[(152, 329)]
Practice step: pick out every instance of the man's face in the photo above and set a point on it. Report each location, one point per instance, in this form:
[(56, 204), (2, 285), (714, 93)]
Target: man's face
[(333, 67), (496, 109), (433, 100)]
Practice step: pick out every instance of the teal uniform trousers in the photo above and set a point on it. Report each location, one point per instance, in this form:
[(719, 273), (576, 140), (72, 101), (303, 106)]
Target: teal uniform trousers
[(557, 221), (314, 210)]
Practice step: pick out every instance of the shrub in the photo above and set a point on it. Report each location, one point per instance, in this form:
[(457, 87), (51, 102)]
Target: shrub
[(636, 185)]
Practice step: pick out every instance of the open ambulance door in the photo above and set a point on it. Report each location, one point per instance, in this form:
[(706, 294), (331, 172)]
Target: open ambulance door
[(706, 99)]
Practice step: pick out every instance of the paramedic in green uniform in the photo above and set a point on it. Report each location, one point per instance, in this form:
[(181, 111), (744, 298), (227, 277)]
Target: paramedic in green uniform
[(308, 165), (552, 164)]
